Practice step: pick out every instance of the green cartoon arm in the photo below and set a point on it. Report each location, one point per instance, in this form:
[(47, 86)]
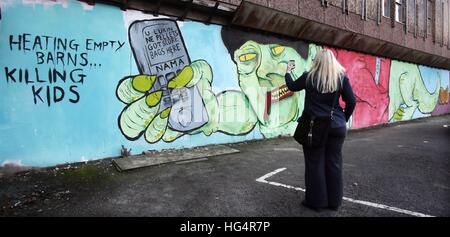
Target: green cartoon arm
[(257, 94), (409, 102), (228, 112), (415, 95)]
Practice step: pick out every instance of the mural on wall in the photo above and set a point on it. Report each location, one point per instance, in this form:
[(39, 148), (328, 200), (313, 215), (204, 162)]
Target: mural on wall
[(173, 97), (54, 80), (261, 66), (443, 106), (369, 77), (160, 97), (413, 91), (59, 67), (156, 83)]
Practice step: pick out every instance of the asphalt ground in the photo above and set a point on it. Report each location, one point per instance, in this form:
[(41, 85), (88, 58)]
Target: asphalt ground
[(397, 170)]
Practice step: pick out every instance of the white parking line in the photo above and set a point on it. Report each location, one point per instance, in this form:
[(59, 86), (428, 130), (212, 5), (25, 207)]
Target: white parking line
[(287, 149), (263, 178)]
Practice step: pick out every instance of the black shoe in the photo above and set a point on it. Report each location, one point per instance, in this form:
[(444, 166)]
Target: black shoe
[(304, 203)]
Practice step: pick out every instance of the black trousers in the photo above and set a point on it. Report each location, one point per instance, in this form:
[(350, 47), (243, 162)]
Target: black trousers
[(323, 171)]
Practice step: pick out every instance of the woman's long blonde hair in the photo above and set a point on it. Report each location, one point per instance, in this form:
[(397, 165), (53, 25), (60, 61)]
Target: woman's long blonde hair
[(325, 72)]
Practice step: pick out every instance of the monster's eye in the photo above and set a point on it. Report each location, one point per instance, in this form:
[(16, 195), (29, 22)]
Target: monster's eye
[(278, 50), (247, 57)]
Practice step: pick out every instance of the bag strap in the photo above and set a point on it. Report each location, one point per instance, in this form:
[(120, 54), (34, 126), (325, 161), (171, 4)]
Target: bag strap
[(336, 97)]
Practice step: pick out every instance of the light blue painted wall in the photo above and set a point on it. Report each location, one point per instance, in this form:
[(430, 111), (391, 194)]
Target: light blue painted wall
[(38, 135)]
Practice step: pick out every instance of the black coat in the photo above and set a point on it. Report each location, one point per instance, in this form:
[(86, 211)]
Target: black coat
[(319, 104)]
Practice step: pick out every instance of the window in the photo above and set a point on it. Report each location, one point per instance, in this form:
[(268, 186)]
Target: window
[(399, 10), (386, 7)]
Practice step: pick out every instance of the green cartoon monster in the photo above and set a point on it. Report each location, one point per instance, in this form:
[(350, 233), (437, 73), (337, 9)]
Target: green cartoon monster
[(408, 93), (261, 70), (263, 101)]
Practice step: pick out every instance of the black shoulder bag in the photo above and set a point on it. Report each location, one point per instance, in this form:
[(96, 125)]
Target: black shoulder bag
[(313, 131)]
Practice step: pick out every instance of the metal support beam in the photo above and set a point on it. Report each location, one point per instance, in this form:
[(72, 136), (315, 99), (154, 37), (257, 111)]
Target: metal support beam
[(448, 24), (426, 20), (405, 15), (187, 8), (158, 6), (442, 25), (345, 7), (416, 15), (392, 6), (379, 12), (363, 10), (213, 11), (124, 5), (434, 21)]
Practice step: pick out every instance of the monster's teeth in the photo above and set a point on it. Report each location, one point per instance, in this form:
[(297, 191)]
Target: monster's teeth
[(280, 92)]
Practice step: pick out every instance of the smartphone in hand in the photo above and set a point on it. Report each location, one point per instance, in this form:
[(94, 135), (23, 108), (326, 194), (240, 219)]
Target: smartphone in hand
[(291, 65)]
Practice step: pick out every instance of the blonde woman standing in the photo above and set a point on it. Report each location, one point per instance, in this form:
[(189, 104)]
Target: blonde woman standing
[(323, 165)]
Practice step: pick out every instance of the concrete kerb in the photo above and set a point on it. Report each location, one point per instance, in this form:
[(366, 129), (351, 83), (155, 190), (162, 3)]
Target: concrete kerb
[(152, 158)]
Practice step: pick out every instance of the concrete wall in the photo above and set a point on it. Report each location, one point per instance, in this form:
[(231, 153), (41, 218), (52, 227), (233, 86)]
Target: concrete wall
[(72, 85), (432, 37)]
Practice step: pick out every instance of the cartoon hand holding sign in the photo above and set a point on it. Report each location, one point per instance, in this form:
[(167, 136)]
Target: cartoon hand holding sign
[(163, 95)]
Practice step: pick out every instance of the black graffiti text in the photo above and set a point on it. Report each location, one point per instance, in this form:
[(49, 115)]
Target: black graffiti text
[(154, 51), (165, 33), (62, 58), (157, 52), (174, 48), (27, 42), (66, 58), (176, 63), (103, 45), (53, 94), (160, 42), (19, 75), (49, 94), (161, 33)]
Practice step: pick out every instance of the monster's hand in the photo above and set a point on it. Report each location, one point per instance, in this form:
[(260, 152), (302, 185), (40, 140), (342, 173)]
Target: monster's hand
[(405, 112), (143, 113), (398, 115)]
